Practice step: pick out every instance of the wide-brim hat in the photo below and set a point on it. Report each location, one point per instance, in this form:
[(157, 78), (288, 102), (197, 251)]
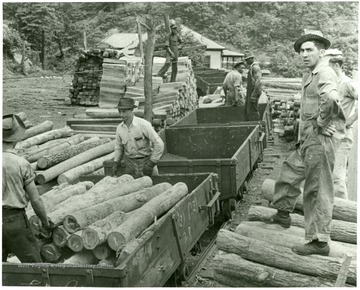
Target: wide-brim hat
[(126, 104), (313, 36), (248, 54), (13, 128), (239, 63)]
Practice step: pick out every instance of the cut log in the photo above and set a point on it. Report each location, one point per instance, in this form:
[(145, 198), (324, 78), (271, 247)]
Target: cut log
[(25, 120), (288, 238), (44, 137), (281, 257), (340, 230), (143, 218), (75, 242), (57, 157), (345, 210), (51, 253), (38, 129), (232, 270), (102, 252), (92, 197), (281, 85), (73, 175), (108, 262), (60, 236), (131, 196), (75, 161), (83, 258), (38, 148)]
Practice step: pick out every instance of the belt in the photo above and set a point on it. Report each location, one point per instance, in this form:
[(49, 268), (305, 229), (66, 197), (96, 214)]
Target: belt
[(11, 211)]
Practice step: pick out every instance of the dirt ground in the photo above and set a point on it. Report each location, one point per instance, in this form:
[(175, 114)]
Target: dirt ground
[(42, 98)]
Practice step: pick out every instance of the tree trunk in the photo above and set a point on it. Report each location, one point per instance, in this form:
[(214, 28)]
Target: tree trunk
[(85, 40), (73, 175), (234, 271), (82, 258), (281, 257), (51, 252), (60, 236), (77, 160), (97, 232), (44, 137), (75, 242), (141, 47), (43, 49), (149, 53), (340, 230), (102, 252), (287, 238), (136, 194), (90, 198), (143, 218), (38, 129), (50, 160), (344, 210), (23, 55)]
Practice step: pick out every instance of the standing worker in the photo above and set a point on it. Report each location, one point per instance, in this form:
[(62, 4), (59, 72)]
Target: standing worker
[(18, 188), (171, 46), (348, 96), (233, 89), (322, 126), (136, 142), (253, 88)]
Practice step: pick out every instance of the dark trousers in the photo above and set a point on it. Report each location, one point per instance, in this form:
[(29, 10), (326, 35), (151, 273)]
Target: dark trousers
[(252, 111), (18, 238), (166, 66), (135, 167)]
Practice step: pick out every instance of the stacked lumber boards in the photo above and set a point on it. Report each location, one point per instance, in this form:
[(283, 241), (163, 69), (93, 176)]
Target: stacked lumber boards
[(93, 225), (259, 254)]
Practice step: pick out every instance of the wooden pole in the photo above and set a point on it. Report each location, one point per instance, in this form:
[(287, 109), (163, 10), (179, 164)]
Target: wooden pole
[(85, 40), (23, 58), (167, 23), (344, 270), (140, 38), (43, 49), (352, 167)]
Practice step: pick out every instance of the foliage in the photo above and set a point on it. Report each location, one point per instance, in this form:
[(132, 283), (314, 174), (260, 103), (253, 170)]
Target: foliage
[(11, 41)]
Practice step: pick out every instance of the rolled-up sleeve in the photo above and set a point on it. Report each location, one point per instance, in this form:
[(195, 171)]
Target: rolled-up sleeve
[(27, 173), (158, 144)]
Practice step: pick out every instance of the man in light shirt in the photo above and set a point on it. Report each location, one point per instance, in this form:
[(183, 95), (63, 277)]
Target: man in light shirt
[(136, 142), (233, 89)]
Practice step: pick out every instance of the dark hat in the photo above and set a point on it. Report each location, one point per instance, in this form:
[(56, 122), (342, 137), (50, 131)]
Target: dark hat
[(126, 104), (248, 54), (239, 63), (313, 36), (13, 128)]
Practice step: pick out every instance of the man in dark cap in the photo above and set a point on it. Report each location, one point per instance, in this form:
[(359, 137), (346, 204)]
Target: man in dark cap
[(232, 86), (136, 142), (18, 189), (253, 88), (322, 125)]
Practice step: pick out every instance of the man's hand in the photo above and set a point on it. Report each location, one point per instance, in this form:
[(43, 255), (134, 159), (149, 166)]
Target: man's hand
[(116, 166), (148, 167), (46, 228), (328, 130)]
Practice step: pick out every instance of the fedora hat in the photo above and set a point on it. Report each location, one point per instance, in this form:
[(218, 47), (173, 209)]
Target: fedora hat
[(13, 128), (248, 54), (239, 63), (311, 36), (126, 104)]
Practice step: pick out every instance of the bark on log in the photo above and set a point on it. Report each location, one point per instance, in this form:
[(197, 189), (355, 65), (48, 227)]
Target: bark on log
[(345, 210), (102, 252), (271, 84), (91, 197), (287, 239), (44, 137), (281, 257), (82, 258), (38, 129), (60, 236), (143, 218), (38, 148), (340, 230), (75, 242), (51, 253), (59, 156), (131, 196), (82, 158), (73, 175), (232, 270)]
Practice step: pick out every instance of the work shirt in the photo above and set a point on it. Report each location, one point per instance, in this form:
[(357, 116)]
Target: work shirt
[(348, 94), (320, 101), (17, 173), (173, 42), (138, 141), (233, 81), (252, 91)]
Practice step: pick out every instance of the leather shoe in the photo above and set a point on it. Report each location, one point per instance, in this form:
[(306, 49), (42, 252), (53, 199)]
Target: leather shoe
[(282, 220), (311, 248)]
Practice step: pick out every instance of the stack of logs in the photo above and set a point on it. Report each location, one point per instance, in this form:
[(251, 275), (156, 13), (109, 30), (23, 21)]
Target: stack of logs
[(284, 95), (61, 154), (259, 254), (101, 222)]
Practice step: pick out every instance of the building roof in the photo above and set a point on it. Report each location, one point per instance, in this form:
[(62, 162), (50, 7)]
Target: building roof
[(210, 45), (121, 40), (226, 52)]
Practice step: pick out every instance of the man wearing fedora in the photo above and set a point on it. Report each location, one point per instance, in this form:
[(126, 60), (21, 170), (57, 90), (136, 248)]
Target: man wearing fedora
[(136, 142), (18, 189), (233, 86), (322, 125), (253, 88)]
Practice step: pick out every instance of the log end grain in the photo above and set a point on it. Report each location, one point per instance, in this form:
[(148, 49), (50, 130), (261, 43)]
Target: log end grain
[(102, 252), (116, 241), (75, 243), (90, 238), (40, 178), (59, 237), (70, 224), (50, 253)]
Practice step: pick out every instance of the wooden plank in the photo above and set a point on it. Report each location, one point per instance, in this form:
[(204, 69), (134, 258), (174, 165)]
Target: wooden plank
[(344, 270), (99, 121), (95, 128), (352, 167), (114, 61)]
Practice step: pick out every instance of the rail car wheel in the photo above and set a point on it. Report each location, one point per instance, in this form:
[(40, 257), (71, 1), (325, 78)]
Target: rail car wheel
[(182, 272), (227, 206)]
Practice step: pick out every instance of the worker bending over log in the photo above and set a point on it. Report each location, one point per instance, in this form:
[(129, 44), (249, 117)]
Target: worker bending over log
[(18, 188), (322, 126), (137, 142), (233, 89)]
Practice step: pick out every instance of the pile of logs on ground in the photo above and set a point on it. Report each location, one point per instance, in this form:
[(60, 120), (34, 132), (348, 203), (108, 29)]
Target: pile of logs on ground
[(259, 254), (61, 154), (284, 95), (97, 224)]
